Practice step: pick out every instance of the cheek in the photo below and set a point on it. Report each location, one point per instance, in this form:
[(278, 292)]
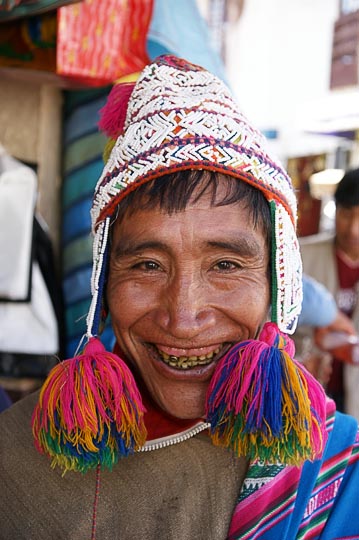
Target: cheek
[(259, 298), (128, 300), (257, 301), (247, 303), (342, 226)]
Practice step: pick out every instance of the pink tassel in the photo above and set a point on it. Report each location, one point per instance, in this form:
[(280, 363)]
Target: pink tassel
[(264, 405), (113, 114), (89, 411)]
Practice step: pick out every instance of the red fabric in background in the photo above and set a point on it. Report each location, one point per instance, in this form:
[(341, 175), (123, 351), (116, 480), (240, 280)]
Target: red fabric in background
[(99, 42)]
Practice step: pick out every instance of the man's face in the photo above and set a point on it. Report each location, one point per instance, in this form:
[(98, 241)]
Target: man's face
[(182, 289), (347, 230)]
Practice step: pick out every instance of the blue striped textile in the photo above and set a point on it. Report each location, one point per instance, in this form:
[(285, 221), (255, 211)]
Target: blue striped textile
[(82, 165)]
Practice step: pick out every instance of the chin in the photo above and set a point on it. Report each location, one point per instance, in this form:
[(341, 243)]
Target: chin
[(183, 403)]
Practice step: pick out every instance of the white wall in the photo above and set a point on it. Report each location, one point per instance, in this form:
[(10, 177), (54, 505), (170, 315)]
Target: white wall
[(278, 60)]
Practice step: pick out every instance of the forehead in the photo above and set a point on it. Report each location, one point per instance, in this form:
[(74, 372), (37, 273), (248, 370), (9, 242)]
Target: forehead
[(199, 224), (176, 191)]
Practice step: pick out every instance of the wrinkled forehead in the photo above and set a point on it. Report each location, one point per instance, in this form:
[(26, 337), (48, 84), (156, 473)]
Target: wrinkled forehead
[(198, 231), (177, 191)]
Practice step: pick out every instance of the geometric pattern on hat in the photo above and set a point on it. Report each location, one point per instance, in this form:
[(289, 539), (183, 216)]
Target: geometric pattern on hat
[(180, 116)]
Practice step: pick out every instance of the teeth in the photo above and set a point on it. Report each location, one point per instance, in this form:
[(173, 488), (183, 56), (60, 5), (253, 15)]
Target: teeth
[(186, 362)]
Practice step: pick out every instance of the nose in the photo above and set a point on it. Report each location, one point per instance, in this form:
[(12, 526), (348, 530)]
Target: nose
[(185, 310)]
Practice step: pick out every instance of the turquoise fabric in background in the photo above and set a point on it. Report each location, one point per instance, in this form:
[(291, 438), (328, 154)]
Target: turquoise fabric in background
[(179, 28)]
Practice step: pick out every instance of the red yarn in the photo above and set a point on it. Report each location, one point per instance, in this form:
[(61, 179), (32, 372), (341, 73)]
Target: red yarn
[(271, 335), (113, 114)]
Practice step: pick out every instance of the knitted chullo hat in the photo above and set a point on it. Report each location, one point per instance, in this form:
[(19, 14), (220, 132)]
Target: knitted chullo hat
[(260, 402)]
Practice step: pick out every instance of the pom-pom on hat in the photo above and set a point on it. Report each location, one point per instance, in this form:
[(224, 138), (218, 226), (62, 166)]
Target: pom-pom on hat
[(179, 116)]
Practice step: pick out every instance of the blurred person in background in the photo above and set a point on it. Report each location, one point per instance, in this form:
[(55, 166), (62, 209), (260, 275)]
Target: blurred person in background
[(320, 314), (333, 260)]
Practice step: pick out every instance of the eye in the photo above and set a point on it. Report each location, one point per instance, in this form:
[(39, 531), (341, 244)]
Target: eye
[(148, 266), (227, 266)]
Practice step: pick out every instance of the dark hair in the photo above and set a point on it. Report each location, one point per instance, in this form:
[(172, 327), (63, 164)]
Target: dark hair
[(347, 191), (173, 192)]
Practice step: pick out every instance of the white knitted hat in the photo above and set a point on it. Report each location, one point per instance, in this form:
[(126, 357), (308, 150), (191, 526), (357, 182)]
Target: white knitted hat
[(179, 116)]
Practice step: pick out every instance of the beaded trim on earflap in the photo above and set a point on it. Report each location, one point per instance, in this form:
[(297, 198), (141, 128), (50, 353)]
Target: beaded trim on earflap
[(179, 116)]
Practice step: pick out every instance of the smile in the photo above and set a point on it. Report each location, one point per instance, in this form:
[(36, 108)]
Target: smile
[(187, 362)]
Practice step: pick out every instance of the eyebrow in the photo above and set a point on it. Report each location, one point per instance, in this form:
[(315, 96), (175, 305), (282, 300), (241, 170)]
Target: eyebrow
[(241, 245), (130, 248)]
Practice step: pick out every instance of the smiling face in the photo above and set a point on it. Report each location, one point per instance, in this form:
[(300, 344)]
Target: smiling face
[(183, 288)]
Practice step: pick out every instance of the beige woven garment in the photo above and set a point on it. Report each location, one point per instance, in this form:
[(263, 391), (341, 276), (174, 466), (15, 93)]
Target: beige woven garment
[(183, 492)]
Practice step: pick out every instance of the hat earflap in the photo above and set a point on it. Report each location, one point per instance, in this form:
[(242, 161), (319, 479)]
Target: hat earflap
[(90, 411)]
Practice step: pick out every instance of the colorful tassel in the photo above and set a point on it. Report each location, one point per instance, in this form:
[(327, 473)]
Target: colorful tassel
[(264, 405), (89, 412), (113, 114)]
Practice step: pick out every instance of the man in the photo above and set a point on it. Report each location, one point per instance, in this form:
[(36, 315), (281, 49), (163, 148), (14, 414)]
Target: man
[(334, 261), (200, 424)]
